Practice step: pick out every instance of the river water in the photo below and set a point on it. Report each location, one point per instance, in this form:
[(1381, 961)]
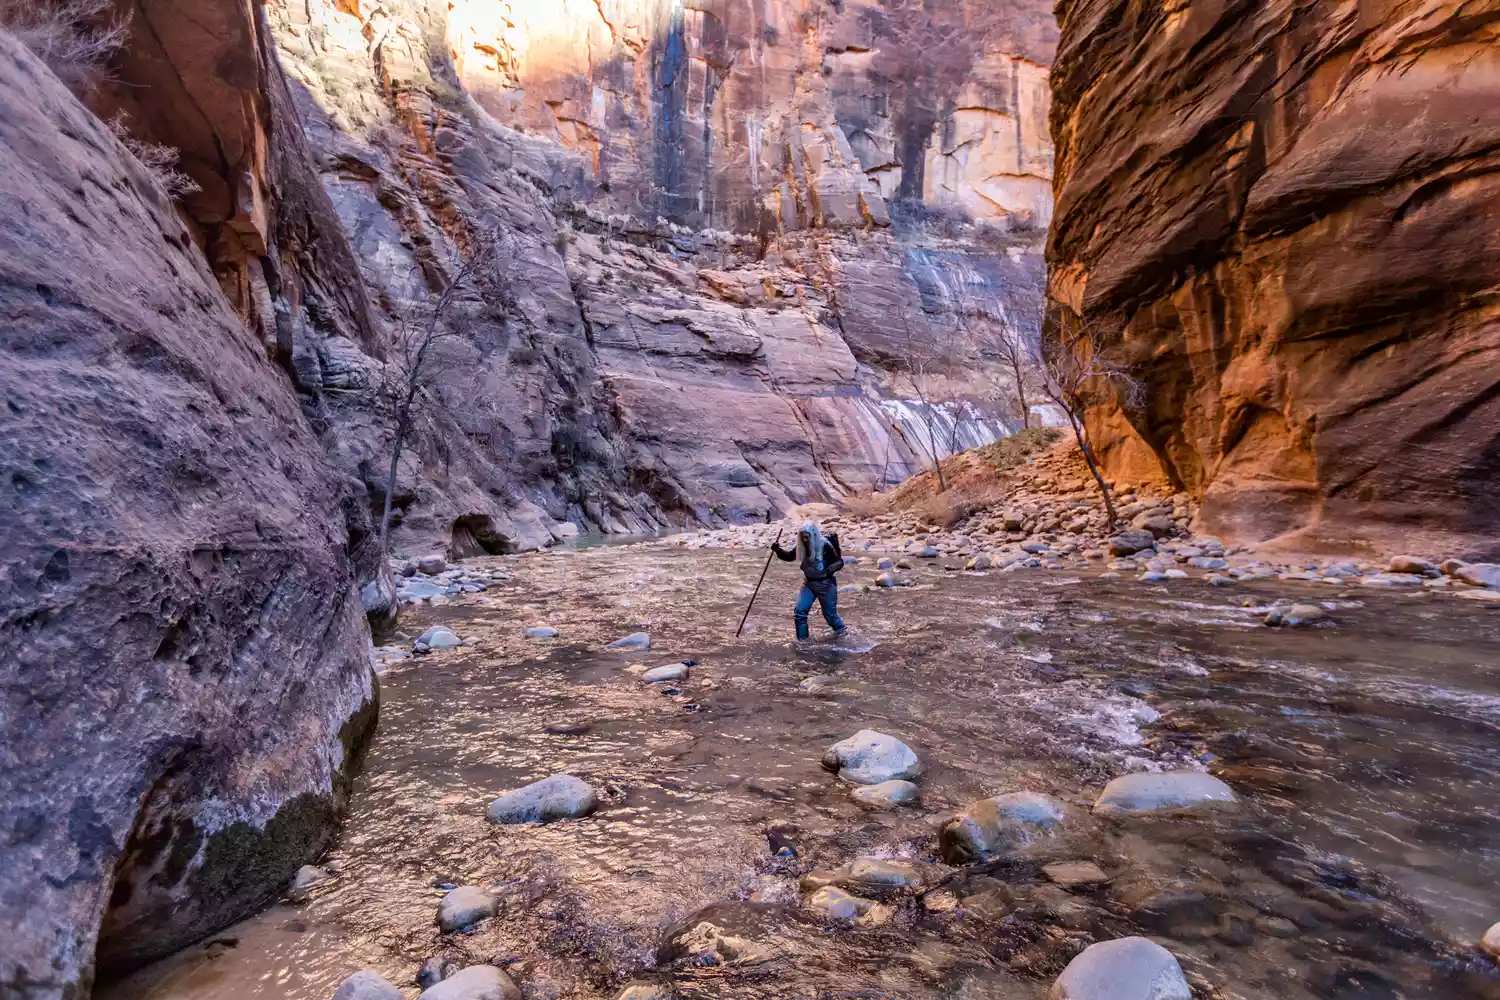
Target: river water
[(1365, 864)]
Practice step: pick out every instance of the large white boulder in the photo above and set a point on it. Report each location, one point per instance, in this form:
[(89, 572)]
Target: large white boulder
[(869, 758), (1130, 968)]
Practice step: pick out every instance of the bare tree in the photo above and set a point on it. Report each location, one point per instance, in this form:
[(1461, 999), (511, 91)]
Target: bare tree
[(929, 366), (425, 353), (997, 333), (1073, 367)]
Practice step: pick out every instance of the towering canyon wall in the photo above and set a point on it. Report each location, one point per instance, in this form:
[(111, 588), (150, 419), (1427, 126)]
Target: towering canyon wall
[(706, 301), (1283, 217), (720, 236), (185, 667)]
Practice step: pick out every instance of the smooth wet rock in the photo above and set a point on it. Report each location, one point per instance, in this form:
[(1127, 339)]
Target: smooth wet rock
[(886, 562), (979, 563), (437, 637), (464, 907), (1070, 874), (541, 632), (869, 758), (887, 794), (1001, 825), (819, 682), (845, 907), (561, 796), (1479, 574), (1490, 943), (636, 640), (477, 982), (1131, 968), (1189, 792), (670, 672), (1207, 562), (431, 565), (367, 986)]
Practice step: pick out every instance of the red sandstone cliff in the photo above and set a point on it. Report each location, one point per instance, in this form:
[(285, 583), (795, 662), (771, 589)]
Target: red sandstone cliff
[(1284, 217)]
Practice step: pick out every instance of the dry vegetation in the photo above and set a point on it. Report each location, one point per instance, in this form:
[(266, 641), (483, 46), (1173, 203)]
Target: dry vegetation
[(975, 480), (75, 38)]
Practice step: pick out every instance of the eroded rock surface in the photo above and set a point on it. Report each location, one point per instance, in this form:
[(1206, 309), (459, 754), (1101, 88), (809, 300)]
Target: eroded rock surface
[(1281, 216), (184, 665)]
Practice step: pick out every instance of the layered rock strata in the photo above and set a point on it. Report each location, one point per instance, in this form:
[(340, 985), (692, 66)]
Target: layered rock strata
[(1282, 217), (185, 669)]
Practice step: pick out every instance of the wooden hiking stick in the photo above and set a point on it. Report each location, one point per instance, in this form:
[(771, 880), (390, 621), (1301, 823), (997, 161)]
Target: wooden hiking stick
[(757, 585)]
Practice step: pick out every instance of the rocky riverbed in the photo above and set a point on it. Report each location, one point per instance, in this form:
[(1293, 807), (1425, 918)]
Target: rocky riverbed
[(1332, 829)]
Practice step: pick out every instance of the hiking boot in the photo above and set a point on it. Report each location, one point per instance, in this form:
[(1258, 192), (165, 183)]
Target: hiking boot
[(841, 633)]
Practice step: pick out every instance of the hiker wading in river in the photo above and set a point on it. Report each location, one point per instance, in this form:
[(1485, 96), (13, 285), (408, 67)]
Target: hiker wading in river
[(820, 559)]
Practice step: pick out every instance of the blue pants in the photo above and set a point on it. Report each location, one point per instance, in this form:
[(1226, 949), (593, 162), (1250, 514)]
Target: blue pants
[(826, 593)]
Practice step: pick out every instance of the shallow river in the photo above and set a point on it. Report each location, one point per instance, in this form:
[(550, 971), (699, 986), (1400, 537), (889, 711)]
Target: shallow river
[(1366, 862)]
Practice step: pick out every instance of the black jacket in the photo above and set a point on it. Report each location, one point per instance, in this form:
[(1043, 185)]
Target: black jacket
[(833, 559)]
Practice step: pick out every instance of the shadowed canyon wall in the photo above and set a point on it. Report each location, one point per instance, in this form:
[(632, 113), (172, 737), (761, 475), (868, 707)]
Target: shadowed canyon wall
[(1283, 217), (185, 667)]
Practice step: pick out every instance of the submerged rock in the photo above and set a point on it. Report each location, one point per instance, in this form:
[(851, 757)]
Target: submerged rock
[(836, 904), (887, 794), (433, 971), (1000, 825), (1296, 615), (870, 758), (1075, 873), (636, 640), (1132, 968), (367, 986), (464, 907), (561, 796), (818, 682), (1192, 792), (873, 875), (477, 982), (643, 991)]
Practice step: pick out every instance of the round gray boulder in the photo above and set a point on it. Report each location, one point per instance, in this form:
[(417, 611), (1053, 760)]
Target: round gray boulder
[(1130, 968), (869, 758), (464, 907), (561, 796), (1192, 792), (366, 986), (541, 632), (477, 982), (1000, 825)]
